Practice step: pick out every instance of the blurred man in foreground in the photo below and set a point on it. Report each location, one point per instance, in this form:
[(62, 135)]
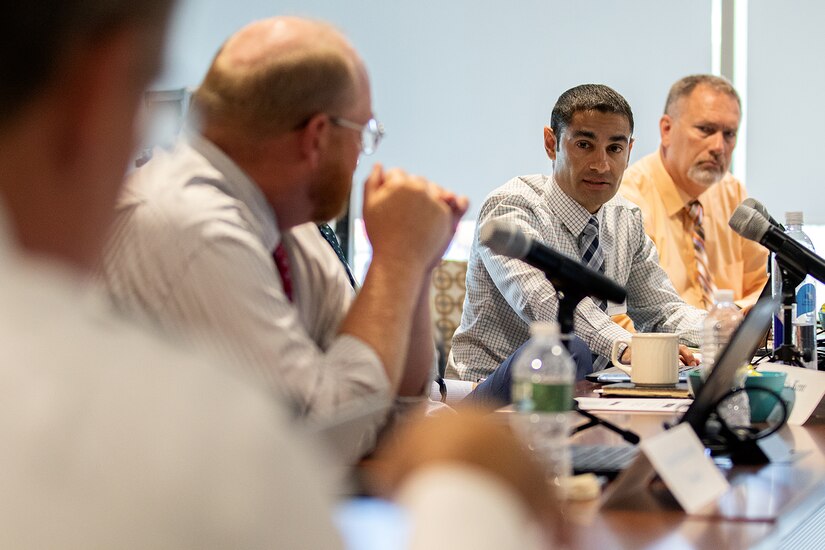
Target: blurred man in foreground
[(110, 438)]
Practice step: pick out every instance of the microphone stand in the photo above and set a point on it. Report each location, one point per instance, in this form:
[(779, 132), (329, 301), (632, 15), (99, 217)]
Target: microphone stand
[(594, 420), (788, 353), (569, 298)]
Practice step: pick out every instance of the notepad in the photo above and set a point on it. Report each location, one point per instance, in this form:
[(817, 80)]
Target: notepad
[(634, 404), (678, 391)]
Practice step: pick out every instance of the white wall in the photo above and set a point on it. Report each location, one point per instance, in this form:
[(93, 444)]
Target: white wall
[(464, 87), (786, 107)]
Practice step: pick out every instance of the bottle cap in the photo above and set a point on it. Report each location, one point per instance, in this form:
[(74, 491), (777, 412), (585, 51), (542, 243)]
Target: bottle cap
[(544, 328), (723, 295), (794, 218)]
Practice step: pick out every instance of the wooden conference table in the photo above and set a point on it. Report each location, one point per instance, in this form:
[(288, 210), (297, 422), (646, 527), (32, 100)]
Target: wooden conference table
[(770, 506)]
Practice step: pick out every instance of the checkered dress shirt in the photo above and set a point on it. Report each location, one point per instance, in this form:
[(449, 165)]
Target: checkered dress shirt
[(505, 295)]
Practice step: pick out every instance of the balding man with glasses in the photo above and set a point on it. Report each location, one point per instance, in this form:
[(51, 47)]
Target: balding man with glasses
[(218, 238)]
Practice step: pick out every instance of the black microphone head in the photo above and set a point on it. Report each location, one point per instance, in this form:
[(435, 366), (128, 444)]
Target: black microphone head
[(504, 239), (749, 223)]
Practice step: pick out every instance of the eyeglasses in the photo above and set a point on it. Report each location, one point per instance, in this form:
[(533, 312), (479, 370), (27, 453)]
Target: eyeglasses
[(371, 132)]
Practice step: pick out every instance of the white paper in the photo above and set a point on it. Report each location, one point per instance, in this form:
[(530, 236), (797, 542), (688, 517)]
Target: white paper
[(808, 385), (634, 404), (777, 450), (679, 458), (614, 308)]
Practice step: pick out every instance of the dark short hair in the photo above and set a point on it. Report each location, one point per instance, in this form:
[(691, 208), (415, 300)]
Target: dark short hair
[(685, 86), (35, 35), (588, 97)]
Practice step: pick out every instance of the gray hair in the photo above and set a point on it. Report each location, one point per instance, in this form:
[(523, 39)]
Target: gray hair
[(685, 86)]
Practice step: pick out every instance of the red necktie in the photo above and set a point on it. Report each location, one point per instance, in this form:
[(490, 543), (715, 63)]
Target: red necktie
[(282, 263)]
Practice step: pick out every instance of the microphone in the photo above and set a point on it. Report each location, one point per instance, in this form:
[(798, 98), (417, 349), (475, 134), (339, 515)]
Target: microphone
[(562, 271), (750, 224), (759, 207)]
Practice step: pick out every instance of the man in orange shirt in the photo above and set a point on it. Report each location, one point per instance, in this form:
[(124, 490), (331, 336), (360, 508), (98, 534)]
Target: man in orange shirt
[(687, 195)]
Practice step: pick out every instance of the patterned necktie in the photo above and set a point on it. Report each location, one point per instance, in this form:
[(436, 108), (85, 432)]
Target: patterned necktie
[(591, 251), (332, 239), (696, 214), (593, 257), (282, 263)]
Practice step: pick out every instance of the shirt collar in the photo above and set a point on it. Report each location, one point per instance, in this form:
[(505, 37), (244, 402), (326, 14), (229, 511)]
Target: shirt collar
[(238, 185), (571, 214), (674, 198)]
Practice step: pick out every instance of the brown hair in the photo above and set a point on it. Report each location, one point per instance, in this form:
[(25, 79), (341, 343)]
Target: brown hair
[(35, 34), (281, 94)]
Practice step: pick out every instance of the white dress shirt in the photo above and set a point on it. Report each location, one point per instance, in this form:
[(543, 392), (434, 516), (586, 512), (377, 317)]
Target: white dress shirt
[(505, 295), (115, 439), (474, 509), (192, 249)]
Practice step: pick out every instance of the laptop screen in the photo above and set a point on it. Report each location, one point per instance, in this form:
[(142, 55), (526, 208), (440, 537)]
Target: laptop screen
[(738, 352)]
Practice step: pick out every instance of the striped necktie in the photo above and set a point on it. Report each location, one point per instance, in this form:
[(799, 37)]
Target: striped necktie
[(282, 263), (696, 214), (591, 251), (593, 257)]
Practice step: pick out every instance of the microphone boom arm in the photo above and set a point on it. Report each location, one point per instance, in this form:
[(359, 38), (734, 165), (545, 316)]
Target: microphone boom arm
[(569, 295)]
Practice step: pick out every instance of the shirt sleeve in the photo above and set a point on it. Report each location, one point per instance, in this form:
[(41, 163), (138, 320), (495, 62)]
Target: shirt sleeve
[(462, 507), (230, 289), (530, 294), (754, 273), (754, 262)]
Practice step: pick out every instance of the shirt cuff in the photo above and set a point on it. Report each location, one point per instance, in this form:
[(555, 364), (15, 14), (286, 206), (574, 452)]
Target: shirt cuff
[(455, 505)]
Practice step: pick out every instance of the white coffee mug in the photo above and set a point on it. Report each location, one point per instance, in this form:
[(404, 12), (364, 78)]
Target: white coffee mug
[(654, 358)]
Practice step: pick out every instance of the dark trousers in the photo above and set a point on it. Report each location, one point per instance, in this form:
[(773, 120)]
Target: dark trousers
[(494, 391)]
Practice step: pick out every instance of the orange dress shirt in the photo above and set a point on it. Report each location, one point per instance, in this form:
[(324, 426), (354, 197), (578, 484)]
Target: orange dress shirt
[(734, 262)]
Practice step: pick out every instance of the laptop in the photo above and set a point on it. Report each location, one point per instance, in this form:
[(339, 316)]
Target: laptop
[(610, 460), (612, 375)]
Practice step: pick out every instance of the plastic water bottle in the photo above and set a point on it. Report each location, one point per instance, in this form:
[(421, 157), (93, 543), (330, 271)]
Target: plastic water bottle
[(718, 327), (542, 388), (804, 311)]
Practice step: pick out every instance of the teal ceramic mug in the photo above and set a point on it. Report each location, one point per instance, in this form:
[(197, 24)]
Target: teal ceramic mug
[(762, 403)]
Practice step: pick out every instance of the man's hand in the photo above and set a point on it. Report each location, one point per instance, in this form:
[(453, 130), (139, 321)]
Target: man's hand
[(475, 440), (686, 356), (410, 222), (408, 217)]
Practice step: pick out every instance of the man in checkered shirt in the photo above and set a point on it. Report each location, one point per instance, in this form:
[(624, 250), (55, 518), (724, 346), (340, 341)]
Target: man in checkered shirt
[(575, 211)]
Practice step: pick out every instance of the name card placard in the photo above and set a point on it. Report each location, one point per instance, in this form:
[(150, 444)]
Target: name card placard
[(808, 386), (679, 459)]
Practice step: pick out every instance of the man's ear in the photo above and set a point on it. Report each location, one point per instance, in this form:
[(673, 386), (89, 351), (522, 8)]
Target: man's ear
[(97, 97), (665, 126), (550, 142), (314, 138)]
